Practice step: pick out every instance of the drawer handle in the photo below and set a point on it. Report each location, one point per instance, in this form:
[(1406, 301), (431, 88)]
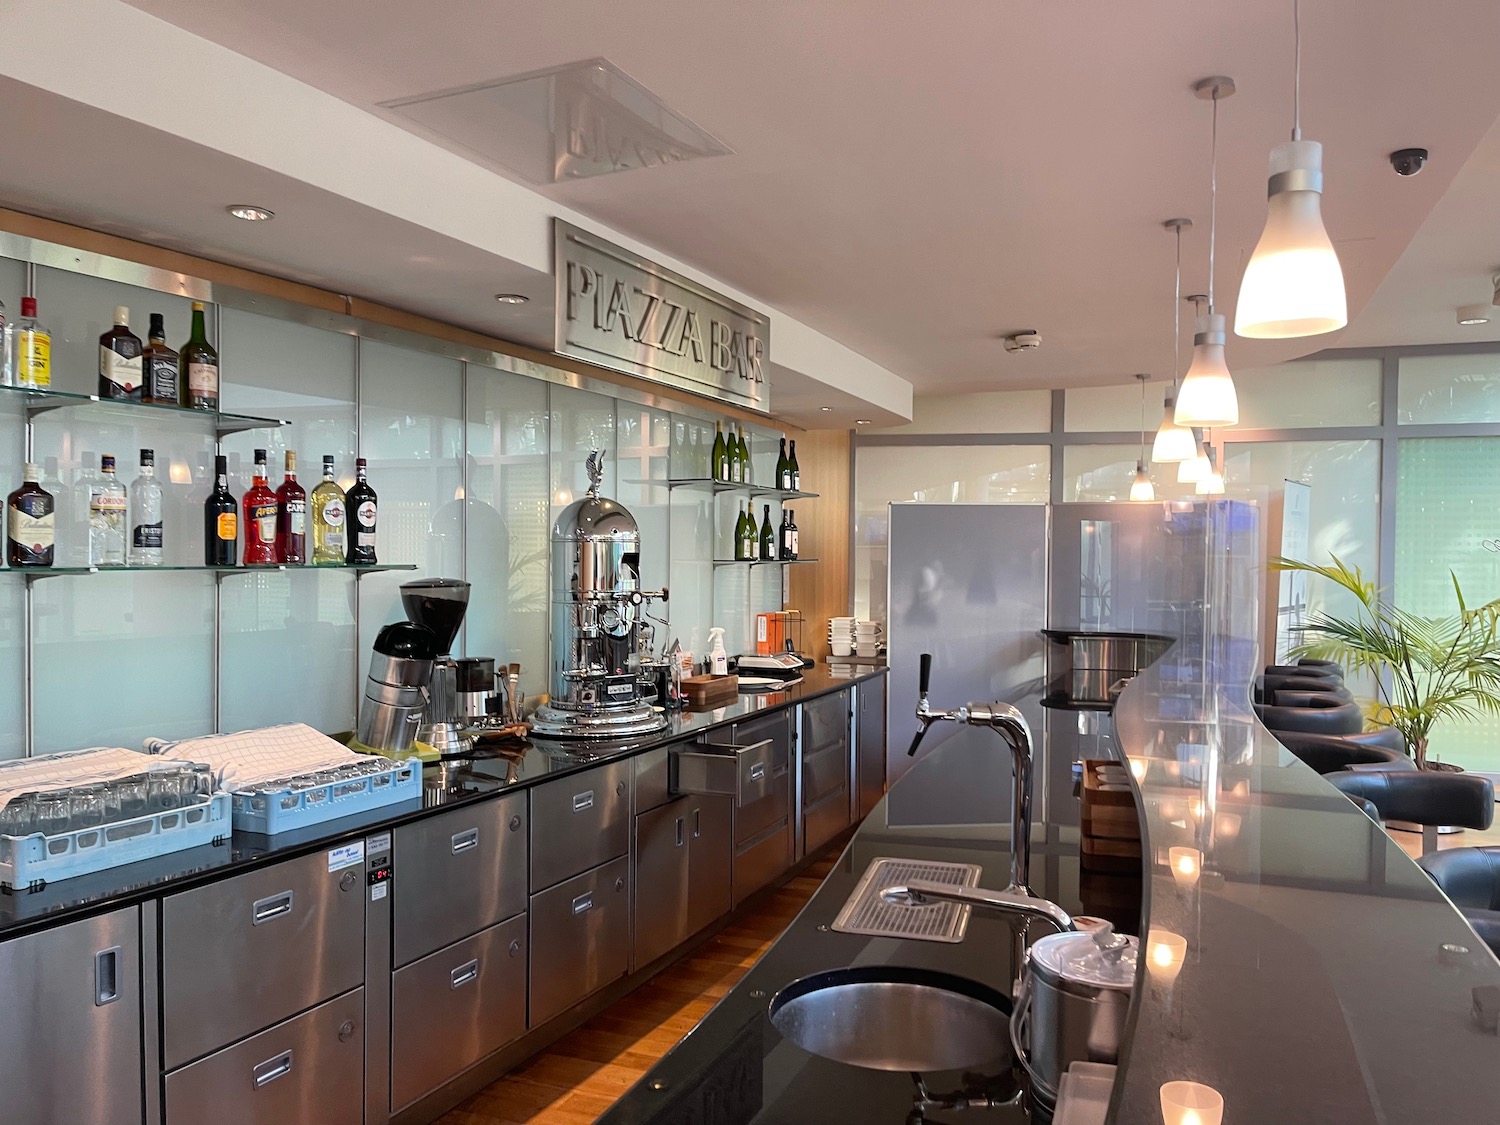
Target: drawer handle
[(679, 827), (469, 971), (779, 771), (276, 906), (106, 976), (272, 1069), (757, 771), (584, 903), (584, 800), (463, 841)]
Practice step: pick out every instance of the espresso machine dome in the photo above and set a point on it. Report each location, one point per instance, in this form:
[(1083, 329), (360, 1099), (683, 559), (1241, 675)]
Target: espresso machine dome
[(597, 613)]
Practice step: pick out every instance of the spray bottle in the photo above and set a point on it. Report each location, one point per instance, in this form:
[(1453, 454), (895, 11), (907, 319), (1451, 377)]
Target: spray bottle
[(718, 659)]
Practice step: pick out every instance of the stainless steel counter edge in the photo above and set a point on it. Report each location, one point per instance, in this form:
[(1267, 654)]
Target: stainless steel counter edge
[(89, 895)]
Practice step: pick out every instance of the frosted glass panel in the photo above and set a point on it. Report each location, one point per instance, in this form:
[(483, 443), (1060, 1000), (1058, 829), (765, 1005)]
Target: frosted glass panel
[(645, 450), (1449, 388), (509, 522), (1113, 408), (1103, 473), (12, 286), (1445, 512), (1309, 393), (988, 412), (692, 445), (288, 639), (411, 433), (122, 657), (12, 662)]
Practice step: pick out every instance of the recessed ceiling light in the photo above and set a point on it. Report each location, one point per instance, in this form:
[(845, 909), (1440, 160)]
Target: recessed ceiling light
[(826, 409), (861, 421), (512, 298), (1475, 314), (250, 212)]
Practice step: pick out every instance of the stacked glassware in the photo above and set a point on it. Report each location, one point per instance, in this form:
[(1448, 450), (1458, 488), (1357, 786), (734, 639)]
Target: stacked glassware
[(55, 812)]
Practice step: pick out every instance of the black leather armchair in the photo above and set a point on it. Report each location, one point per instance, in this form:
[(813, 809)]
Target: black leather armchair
[(1470, 877), (1424, 797), (1322, 667), (1327, 753), (1271, 685), (1317, 669), (1311, 713)]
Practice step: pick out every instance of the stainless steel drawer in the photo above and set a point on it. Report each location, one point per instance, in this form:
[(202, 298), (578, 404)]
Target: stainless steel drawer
[(746, 773), (825, 720), (454, 1007), (243, 954), (756, 864), (457, 874), (753, 819), (580, 938), (307, 1069), (823, 773), (578, 822), (824, 821)]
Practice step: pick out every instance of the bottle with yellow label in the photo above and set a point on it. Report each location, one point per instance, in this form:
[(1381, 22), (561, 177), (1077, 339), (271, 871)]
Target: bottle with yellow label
[(31, 347), (221, 520)]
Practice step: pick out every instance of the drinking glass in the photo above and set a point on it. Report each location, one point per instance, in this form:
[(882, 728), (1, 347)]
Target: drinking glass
[(86, 807), (53, 809), (204, 780), (18, 817), (165, 788), (134, 796)]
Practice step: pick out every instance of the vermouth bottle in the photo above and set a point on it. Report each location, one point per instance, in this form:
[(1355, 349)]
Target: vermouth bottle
[(361, 509), (328, 519)]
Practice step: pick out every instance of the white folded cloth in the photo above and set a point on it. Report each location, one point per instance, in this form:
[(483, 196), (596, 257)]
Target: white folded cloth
[(93, 766), (249, 758)]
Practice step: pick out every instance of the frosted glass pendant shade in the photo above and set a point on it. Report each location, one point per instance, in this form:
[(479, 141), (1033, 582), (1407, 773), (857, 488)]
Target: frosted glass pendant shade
[(1141, 489), (1173, 442), (1193, 469), (1206, 398), (1211, 485), (1293, 284)]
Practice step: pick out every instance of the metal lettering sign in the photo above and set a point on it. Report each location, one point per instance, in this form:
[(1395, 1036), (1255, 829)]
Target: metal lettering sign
[(620, 311)]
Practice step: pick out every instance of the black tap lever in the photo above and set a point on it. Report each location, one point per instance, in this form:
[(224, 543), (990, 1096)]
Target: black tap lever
[(924, 677)]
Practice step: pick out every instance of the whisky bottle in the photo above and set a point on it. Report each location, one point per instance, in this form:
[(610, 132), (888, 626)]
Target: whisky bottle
[(291, 516), (30, 522), (200, 363), (159, 371), (31, 349), (221, 524), (146, 545), (107, 516), (259, 506), (767, 537), (120, 360), (361, 509), (328, 519)]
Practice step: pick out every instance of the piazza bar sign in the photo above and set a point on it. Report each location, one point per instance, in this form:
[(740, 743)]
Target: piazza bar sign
[(618, 310)]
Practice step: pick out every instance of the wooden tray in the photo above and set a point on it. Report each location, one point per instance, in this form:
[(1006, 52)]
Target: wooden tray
[(710, 691), (1110, 825)]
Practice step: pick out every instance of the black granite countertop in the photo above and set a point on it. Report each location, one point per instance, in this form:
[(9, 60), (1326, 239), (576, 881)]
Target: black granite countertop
[(445, 785)]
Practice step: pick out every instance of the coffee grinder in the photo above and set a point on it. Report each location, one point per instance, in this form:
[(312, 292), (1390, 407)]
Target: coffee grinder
[(439, 604)]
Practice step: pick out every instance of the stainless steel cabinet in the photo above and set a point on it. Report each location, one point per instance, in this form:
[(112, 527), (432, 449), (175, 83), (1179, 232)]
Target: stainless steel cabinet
[(763, 843), (682, 872), (70, 1024), (869, 745), (578, 822), (454, 1007), (580, 938), (240, 955), (308, 1069), (826, 755), (458, 873)]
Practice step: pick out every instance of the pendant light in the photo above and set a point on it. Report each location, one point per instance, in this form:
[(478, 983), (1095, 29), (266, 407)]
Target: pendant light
[(1207, 397), (1141, 489), (1195, 468), (1174, 443), (1212, 482), (1293, 284)]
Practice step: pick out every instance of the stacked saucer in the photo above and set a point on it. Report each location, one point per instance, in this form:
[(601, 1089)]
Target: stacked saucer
[(867, 638)]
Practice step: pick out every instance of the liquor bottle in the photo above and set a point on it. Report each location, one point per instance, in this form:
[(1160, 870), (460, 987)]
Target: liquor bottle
[(107, 512), (201, 364), (788, 536), (30, 522), (767, 537), (31, 349), (120, 360), (720, 455), (291, 516), (145, 514), (328, 519), (259, 505), (783, 469), (796, 470), (221, 523), (159, 372), (361, 509)]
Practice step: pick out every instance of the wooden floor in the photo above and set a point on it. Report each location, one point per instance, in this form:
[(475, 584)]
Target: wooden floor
[(1411, 842), (581, 1075)]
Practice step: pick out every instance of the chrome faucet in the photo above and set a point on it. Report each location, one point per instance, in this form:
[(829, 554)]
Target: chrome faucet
[(1008, 722), (1021, 902)]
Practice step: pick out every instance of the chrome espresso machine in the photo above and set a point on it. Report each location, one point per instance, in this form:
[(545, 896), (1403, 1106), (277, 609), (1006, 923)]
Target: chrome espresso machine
[(599, 685)]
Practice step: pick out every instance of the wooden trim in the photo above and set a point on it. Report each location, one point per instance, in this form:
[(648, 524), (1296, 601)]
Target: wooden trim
[(822, 590), (219, 273)]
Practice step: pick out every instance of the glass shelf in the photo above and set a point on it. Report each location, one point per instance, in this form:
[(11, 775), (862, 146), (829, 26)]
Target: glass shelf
[(33, 573), (760, 562), (711, 485), (41, 402)]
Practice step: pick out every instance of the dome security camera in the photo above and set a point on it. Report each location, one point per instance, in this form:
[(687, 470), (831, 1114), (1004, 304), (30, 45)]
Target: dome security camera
[(1408, 161)]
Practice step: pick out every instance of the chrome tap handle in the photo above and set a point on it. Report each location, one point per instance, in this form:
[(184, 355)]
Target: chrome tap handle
[(1002, 902), (924, 713)]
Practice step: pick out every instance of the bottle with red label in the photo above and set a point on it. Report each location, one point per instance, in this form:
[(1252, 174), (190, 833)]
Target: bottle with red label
[(259, 506), (291, 516), (361, 507), (121, 370)]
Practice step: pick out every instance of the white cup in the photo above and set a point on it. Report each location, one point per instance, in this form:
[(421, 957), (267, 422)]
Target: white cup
[(841, 648)]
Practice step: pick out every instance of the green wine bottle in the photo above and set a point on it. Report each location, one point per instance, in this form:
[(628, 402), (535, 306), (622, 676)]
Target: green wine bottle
[(720, 456), (736, 462), (767, 537), (750, 533), (744, 457), (796, 471), (739, 532), (783, 469)]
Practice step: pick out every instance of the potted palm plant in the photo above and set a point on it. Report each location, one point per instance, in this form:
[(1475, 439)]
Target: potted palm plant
[(1426, 669)]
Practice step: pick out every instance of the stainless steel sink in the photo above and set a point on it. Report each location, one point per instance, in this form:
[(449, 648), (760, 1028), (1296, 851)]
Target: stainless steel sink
[(889, 1018)]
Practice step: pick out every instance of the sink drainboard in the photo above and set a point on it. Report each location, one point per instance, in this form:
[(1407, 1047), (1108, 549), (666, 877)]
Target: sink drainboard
[(866, 914)]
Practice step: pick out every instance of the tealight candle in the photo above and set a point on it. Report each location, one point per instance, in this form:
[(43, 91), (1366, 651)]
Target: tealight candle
[(1165, 952), (1186, 864), (1138, 768), (1191, 1103)]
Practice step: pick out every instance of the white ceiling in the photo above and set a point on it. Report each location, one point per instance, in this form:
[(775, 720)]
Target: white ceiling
[(911, 182)]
